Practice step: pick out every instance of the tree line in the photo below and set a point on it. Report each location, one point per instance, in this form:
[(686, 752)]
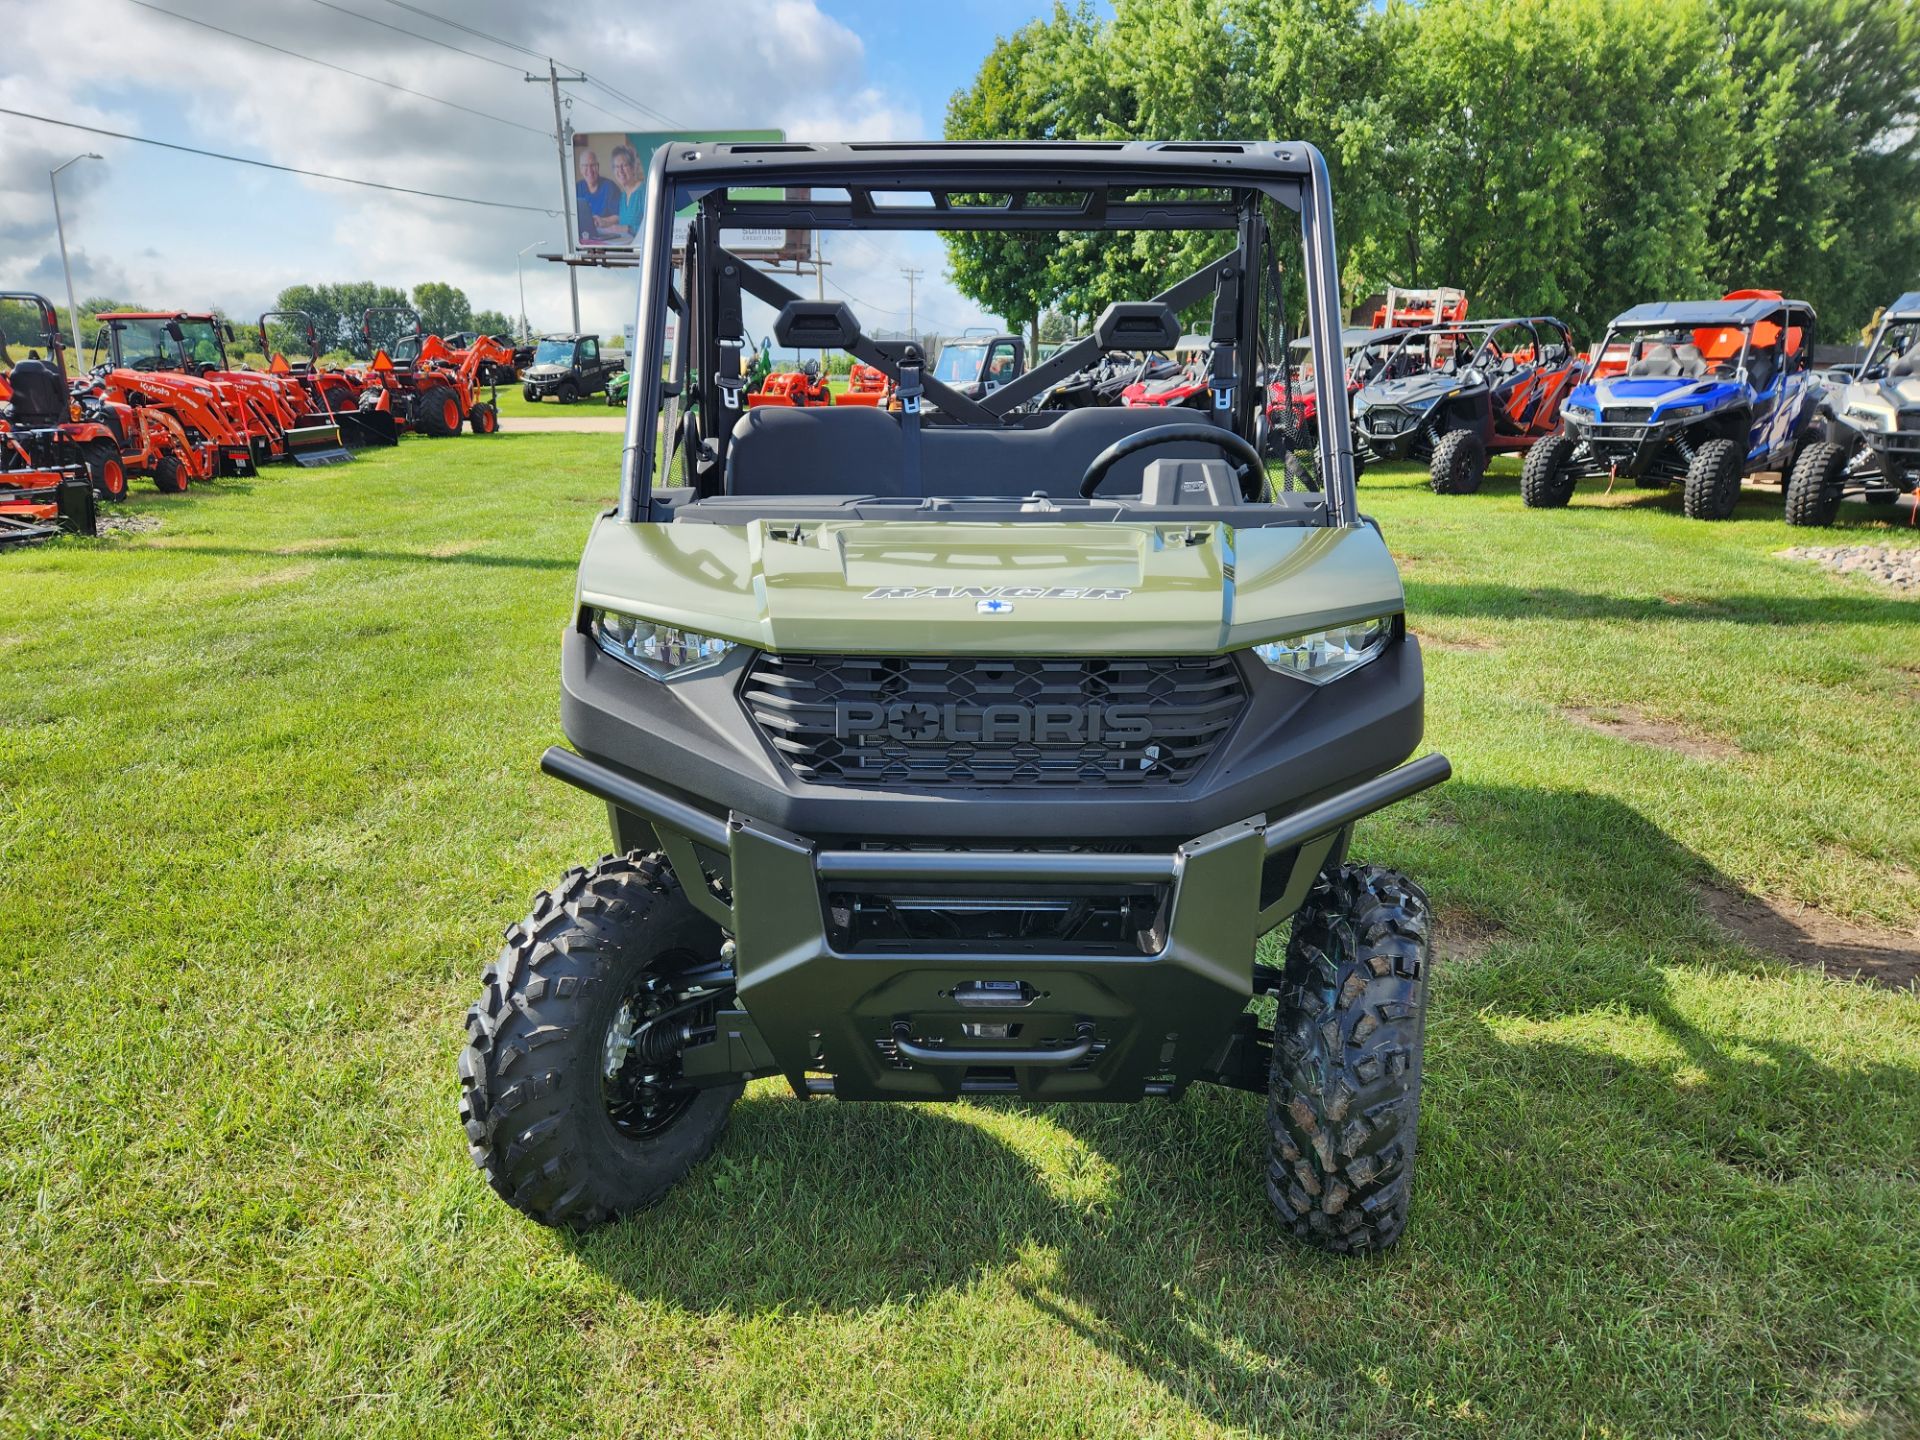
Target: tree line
[(1568, 157)]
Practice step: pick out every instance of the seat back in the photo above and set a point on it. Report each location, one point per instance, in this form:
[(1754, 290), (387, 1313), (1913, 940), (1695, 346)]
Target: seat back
[(855, 450), (39, 399)]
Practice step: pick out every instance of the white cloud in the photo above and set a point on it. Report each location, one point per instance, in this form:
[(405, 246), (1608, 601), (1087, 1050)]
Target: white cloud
[(171, 229)]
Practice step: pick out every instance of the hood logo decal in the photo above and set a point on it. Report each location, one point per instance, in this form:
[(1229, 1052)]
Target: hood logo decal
[(988, 595)]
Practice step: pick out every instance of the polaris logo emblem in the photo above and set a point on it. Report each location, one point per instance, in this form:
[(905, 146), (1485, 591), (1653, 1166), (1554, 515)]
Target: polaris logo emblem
[(993, 592), (995, 724)]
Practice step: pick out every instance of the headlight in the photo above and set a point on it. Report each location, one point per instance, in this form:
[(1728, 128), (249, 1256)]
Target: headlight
[(655, 649), (1577, 414), (1323, 655), (1874, 419), (1683, 412)]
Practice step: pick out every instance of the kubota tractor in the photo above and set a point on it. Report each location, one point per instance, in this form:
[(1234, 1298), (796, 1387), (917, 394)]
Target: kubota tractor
[(44, 433), (332, 393), (423, 383), (44, 482), (273, 410)]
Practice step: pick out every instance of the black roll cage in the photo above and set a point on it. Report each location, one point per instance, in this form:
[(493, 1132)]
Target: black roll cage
[(934, 186), (1485, 329)]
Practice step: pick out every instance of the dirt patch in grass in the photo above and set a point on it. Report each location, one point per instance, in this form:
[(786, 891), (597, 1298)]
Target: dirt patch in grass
[(1807, 936), (1457, 640), (453, 548), (1625, 723), (285, 575), (1460, 935)]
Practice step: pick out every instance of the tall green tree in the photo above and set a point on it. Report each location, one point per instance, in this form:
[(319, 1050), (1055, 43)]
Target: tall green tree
[(1820, 195), (443, 308), (1546, 156), (491, 322), (337, 312)]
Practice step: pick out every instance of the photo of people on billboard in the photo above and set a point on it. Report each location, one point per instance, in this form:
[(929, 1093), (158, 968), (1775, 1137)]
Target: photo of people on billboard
[(610, 179)]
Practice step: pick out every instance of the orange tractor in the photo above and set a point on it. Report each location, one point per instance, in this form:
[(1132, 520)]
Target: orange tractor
[(803, 387), (271, 410), (45, 453), (330, 392), (426, 385)]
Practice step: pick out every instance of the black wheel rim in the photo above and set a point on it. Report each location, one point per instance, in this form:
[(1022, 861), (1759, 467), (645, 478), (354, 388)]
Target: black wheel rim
[(642, 1097)]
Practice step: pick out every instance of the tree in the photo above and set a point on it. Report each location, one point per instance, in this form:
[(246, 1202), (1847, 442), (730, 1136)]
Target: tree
[(491, 322), (337, 312), (443, 309), (1818, 193)]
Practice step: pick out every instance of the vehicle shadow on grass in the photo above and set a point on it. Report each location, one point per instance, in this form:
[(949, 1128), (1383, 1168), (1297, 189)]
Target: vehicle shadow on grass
[(1144, 1229), (1491, 600), (325, 550)]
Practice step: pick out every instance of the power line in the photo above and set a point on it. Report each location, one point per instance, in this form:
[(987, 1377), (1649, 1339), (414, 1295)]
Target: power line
[(518, 48), (431, 40), (329, 65), (468, 29), (269, 165)]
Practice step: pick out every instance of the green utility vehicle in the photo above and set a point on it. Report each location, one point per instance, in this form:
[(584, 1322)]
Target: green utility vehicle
[(963, 747)]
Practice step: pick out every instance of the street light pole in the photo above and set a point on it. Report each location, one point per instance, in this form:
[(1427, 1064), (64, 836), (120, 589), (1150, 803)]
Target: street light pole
[(59, 226), (520, 269)]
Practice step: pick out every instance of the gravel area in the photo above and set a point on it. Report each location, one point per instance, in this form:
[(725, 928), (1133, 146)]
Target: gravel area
[(121, 524), (1894, 565)]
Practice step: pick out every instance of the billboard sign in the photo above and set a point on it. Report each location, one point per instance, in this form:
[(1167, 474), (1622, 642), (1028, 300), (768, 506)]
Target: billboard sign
[(610, 187)]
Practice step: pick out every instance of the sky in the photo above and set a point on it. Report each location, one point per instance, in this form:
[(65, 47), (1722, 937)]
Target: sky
[(179, 231)]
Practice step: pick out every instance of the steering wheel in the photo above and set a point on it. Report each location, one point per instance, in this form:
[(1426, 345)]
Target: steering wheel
[(1253, 469)]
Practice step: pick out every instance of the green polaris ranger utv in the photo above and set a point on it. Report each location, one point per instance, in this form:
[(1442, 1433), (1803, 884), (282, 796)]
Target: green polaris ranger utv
[(963, 747)]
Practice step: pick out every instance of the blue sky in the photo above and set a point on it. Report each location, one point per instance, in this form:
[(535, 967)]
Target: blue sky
[(172, 229)]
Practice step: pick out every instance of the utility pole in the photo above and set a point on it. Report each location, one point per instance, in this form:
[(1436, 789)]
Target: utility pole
[(555, 79), (912, 277), (73, 310)]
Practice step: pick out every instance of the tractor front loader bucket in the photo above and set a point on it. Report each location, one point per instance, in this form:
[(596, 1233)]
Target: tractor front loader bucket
[(316, 440), (360, 429)]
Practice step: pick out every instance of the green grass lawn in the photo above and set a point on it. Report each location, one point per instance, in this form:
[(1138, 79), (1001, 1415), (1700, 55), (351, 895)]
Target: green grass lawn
[(267, 797)]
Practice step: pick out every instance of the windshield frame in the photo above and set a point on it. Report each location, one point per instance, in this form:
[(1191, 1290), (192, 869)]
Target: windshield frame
[(1120, 185)]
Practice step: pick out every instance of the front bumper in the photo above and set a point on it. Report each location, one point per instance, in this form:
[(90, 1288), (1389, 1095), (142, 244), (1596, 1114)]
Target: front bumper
[(1048, 1020)]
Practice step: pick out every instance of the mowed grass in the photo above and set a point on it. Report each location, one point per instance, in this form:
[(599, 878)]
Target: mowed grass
[(267, 797)]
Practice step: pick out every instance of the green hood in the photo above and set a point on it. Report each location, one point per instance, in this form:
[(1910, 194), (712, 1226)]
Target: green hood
[(951, 587)]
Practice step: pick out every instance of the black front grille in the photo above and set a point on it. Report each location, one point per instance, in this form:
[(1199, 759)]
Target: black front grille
[(1628, 414), (963, 720)]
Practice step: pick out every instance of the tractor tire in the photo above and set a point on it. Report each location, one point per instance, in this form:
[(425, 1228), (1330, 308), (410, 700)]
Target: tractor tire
[(557, 1138), (568, 392), (1343, 1103), (1814, 487), (1459, 463), (1547, 478), (168, 476), (439, 411), (106, 469), (484, 419), (1713, 481)]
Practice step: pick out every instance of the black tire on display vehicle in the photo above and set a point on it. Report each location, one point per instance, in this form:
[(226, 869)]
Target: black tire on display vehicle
[(1459, 463), (439, 411), (483, 418), (1343, 1107), (1713, 481), (569, 1119), (106, 469), (527, 394), (568, 392), (1547, 476), (168, 477), (1814, 487)]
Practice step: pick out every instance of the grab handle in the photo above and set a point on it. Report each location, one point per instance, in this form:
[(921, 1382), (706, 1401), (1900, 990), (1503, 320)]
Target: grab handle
[(942, 1055)]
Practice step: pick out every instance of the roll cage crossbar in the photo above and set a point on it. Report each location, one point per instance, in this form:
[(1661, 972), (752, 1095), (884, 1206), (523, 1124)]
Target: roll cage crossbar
[(942, 186)]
